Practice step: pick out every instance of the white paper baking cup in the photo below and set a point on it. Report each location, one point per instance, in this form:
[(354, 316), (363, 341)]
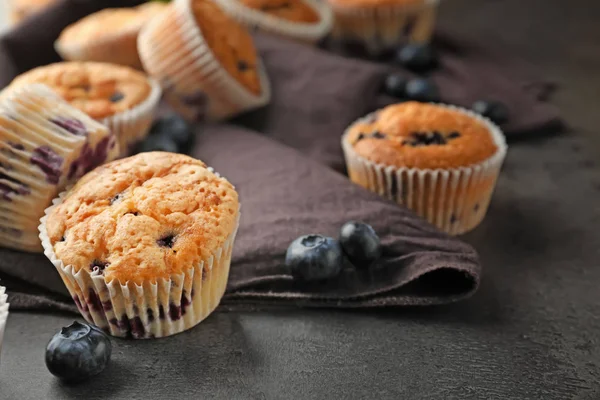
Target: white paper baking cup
[(133, 125), (150, 310), (173, 50), (261, 21), (384, 27), (27, 134), (3, 314), (454, 199)]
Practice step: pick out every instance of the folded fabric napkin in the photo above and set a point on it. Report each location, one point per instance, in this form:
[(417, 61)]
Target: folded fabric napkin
[(284, 193)]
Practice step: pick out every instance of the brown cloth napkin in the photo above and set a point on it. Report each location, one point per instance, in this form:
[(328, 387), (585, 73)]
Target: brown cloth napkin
[(284, 194)]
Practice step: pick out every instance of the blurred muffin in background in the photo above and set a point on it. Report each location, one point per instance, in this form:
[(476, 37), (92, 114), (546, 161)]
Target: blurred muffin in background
[(21, 9), (89, 39), (303, 20)]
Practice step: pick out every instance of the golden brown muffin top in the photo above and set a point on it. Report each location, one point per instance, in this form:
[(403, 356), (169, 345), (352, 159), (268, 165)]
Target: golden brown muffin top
[(109, 23), (98, 89), (419, 135), (290, 10), (24, 8), (144, 218), (230, 42), (375, 3)]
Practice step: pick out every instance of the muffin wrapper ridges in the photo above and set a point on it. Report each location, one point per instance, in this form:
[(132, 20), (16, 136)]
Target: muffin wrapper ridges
[(455, 199), (384, 27), (150, 310), (39, 158), (194, 82), (3, 314), (261, 21), (132, 126)]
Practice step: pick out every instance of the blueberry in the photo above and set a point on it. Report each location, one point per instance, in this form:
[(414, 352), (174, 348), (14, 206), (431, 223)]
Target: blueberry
[(314, 258), (176, 128), (496, 111), (78, 352), (360, 243), (395, 85), (158, 143), (417, 57), (421, 89)]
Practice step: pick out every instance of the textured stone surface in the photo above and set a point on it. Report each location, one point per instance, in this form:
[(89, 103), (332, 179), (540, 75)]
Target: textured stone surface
[(531, 332)]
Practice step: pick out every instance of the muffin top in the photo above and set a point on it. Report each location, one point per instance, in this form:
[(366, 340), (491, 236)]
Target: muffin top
[(290, 10), (419, 135), (375, 3), (144, 218), (230, 43), (98, 89), (120, 20)]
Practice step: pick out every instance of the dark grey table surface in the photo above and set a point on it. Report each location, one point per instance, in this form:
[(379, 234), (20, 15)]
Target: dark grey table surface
[(531, 332)]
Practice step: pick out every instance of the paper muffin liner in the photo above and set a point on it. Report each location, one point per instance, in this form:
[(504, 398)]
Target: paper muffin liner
[(133, 125), (383, 27), (151, 310), (3, 314), (453, 199), (45, 144), (261, 21), (173, 50), (120, 48)]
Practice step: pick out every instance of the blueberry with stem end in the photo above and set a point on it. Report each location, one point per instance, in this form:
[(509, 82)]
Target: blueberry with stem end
[(175, 128), (395, 85), (417, 57), (314, 258), (78, 352), (420, 89), (496, 111), (360, 243)]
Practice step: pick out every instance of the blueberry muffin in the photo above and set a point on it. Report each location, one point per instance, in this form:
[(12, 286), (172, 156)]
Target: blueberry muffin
[(304, 20), (440, 161), (120, 97), (144, 244), (381, 25), (90, 40), (45, 144), (21, 9), (205, 61)]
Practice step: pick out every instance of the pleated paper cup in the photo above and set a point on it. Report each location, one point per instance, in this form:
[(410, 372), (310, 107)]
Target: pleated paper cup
[(150, 310), (3, 314), (453, 199), (264, 22), (133, 125), (173, 50), (45, 144), (383, 27)]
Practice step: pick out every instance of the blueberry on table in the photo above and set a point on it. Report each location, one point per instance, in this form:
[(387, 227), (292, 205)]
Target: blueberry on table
[(314, 258), (158, 143), (420, 89), (360, 243), (395, 85), (417, 57), (78, 352), (496, 111), (174, 127)]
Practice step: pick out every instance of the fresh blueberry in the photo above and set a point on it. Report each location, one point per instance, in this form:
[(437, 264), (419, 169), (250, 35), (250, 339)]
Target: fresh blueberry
[(158, 143), (496, 111), (417, 57), (360, 243), (78, 352), (176, 128), (421, 89), (395, 85), (314, 258)]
